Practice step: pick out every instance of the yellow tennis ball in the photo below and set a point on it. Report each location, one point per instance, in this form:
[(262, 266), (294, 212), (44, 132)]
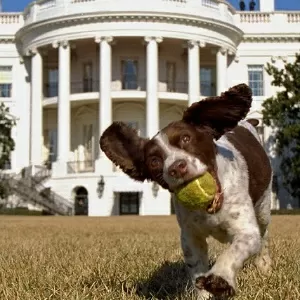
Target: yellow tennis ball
[(198, 193)]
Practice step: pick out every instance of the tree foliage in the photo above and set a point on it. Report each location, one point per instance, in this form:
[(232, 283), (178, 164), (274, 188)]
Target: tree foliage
[(7, 144), (282, 112)]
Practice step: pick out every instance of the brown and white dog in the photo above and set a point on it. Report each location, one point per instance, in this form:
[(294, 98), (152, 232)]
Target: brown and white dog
[(212, 136)]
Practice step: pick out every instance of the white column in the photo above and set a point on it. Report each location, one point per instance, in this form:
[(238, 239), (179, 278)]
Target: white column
[(36, 124), (21, 154), (63, 117), (59, 168), (193, 72), (221, 62), (152, 101), (105, 102)]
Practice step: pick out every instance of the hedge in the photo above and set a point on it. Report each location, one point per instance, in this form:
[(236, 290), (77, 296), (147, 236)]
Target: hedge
[(22, 211), (284, 211)]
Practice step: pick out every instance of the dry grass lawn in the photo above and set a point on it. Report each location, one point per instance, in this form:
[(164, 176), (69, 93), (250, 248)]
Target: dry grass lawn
[(70, 258)]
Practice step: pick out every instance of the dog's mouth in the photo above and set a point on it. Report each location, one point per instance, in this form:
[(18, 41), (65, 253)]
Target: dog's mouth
[(187, 181), (217, 202)]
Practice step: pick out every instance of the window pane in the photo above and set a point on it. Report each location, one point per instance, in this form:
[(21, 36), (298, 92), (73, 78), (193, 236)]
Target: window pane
[(256, 79), (129, 203), (207, 81), (5, 90), (52, 86), (129, 74), (5, 74), (52, 138), (87, 70), (87, 77), (171, 75)]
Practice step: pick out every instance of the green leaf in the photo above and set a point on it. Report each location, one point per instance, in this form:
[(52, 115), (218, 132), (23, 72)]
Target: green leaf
[(6, 142)]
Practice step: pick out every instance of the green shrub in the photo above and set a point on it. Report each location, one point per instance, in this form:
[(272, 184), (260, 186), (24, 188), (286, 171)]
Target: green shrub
[(21, 211)]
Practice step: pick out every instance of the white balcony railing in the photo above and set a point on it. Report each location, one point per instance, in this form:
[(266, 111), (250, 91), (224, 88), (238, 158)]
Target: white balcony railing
[(10, 23), (268, 22), (46, 9)]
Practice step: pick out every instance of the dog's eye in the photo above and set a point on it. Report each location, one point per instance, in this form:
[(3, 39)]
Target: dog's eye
[(155, 162), (185, 138)]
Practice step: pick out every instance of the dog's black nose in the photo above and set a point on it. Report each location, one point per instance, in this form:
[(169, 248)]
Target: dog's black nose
[(178, 169)]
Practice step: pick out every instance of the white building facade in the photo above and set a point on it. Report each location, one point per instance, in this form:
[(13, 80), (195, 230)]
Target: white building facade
[(69, 68)]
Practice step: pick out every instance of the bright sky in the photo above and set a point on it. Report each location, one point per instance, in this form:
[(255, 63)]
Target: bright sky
[(18, 5)]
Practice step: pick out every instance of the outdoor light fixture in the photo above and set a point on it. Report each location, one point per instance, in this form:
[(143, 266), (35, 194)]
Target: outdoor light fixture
[(155, 189), (100, 186)]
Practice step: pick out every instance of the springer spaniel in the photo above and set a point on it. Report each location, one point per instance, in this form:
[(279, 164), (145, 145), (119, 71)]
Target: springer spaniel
[(212, 136)]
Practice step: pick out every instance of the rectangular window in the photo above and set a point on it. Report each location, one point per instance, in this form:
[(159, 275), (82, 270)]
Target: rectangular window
[(88, 142), (87, 77), (5, 81), (208, 81), (50, 136), (129, 74), (129, 203), (171, 76), (52, 85), (256, 79)]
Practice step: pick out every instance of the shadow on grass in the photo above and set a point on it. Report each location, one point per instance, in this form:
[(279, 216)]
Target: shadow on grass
[(168, 281)]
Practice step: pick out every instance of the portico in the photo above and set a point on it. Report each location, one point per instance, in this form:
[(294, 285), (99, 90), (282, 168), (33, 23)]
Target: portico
[(191, 50)]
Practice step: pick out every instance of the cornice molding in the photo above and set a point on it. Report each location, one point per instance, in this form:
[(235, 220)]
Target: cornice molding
[(271, 39), (228, 29), (165, 17)]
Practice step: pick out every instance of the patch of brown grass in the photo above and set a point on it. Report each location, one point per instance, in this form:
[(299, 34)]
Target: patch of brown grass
[(70, 258)]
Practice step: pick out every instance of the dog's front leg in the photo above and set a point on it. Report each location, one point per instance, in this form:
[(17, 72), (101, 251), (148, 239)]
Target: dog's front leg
[(195, 252), (221, 279)]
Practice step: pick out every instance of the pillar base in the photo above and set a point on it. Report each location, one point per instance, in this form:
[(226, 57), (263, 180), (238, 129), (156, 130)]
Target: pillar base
[(59, 169), (103, 166)]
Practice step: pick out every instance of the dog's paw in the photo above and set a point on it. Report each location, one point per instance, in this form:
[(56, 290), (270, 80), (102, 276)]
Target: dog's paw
[(216, 285), (204, 295)]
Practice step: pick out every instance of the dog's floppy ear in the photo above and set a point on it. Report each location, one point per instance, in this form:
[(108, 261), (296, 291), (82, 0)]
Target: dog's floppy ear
[(221, 114), (125, 148)]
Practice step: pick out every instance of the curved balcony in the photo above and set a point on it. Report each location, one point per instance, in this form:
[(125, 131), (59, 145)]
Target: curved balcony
[(133, 91), (49, 21), (48, 9)]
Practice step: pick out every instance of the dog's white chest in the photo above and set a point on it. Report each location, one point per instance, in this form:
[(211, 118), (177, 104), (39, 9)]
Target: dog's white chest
[(208, 225)]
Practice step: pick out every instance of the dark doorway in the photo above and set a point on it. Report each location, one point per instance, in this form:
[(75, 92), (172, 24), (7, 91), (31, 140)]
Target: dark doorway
[(81, 201), (129, 203)]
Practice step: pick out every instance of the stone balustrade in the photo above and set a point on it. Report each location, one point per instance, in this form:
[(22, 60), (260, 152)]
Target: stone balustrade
[(268, 22), (10, 23), (47, 9)]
